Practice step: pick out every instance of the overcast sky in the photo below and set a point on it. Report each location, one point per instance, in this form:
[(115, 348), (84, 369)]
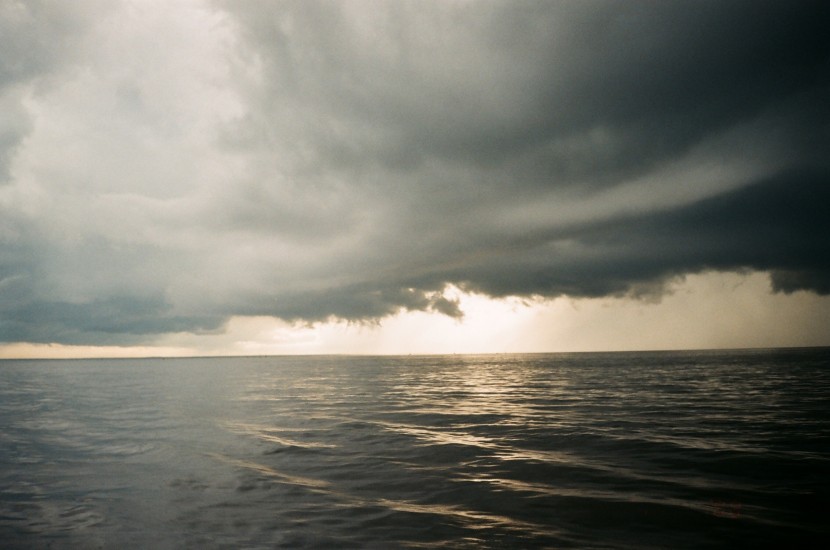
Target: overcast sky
[(248, 176)]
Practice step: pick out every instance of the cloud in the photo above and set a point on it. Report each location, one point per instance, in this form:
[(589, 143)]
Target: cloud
[(779, 225), (36, 38), (538, 94), (306, 160)]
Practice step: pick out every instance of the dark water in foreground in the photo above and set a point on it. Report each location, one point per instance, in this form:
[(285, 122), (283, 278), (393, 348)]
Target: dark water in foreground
[(617, 450)]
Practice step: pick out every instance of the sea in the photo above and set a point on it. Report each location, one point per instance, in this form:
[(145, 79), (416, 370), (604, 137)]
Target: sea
[(692, 449)]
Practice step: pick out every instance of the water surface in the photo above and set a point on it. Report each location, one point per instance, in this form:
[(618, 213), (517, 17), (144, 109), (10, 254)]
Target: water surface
[(615, 450)]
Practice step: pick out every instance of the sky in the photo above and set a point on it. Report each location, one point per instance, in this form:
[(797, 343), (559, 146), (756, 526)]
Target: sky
[(252, 177)]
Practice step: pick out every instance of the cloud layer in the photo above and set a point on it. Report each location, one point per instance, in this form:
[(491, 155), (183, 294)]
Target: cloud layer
[(163, 168)]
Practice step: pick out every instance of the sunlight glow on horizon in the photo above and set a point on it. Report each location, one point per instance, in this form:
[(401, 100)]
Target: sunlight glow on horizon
[(715, 310)]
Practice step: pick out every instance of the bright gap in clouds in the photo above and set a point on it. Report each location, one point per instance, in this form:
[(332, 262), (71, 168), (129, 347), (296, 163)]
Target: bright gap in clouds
[(716, 310), (713, 310)]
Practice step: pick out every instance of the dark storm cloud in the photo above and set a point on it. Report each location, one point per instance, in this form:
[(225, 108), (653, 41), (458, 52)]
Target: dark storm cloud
[(114, 320), (89, 291), (542, 93), (451, 129), (380, 151), (780, 224)]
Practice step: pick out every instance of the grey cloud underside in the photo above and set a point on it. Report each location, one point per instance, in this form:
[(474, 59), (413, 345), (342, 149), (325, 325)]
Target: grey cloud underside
[(387, 150), (779, 225), (117, 320)]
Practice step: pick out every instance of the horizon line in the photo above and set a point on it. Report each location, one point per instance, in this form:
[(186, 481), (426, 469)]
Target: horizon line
[(451, 354)]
